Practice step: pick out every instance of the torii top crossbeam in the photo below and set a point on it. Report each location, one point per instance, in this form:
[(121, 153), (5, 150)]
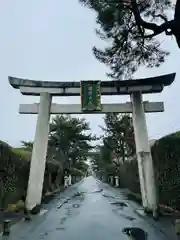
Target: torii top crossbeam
[(146, 85)]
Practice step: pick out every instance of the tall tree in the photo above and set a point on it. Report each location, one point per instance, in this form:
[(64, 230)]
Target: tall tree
[(102, 162), (118, 141), (130, 28), (69, 140), (119, 135)]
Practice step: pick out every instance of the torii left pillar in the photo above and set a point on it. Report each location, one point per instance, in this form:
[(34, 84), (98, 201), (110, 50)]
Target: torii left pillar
[(38, 160)]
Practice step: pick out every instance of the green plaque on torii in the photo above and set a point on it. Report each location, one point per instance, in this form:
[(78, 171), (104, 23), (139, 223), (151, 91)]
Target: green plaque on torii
[(91, 96)]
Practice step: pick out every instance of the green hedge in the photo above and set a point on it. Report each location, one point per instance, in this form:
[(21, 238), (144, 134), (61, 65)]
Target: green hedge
[(13, 175), (166, 159), (129, 176), (14, 172)]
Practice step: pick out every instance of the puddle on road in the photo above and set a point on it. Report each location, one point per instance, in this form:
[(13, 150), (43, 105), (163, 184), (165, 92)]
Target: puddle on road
[(119, 204), (127, 217), (62, 220), (60, 228), (69, 205), (108, 196), (135, 233), (77, 196)]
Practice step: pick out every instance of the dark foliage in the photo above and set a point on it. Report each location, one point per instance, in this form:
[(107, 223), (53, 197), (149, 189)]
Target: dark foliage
[(129, 27), (166, 157)]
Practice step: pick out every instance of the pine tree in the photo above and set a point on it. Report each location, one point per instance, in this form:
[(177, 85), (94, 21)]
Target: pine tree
[(130, 28)]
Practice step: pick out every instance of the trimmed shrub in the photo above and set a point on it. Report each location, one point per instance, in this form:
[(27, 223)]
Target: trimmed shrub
[(166, 158), (129, 169), (14, 174)]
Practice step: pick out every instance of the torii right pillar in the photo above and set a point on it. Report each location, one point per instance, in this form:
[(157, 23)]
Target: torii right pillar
[(143, 151)]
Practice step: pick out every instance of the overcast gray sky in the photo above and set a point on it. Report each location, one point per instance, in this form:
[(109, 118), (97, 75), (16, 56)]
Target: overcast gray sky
[(52, 40)]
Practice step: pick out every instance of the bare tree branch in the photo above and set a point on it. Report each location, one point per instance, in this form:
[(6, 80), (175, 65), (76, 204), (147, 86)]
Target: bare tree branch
[(157, 29), (162, 17)]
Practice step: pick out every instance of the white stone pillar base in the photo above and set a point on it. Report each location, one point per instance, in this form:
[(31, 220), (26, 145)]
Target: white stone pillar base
[(66, 182), (117, 181), (70, 180)]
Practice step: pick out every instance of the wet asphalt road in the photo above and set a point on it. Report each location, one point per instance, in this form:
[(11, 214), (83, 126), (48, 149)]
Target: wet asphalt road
[(89, 210)]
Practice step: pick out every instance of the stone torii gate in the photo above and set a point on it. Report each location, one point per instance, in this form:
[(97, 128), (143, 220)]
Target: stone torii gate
[(135, 88)]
